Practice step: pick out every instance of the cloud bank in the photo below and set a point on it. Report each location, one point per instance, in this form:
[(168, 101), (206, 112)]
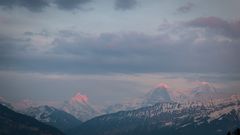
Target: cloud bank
[(32, 5), (71, 4), (125, 4), (39, 5), (186, 7), (200, 45)]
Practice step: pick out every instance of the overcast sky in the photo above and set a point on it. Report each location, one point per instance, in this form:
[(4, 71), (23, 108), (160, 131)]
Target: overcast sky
[(114, 50)]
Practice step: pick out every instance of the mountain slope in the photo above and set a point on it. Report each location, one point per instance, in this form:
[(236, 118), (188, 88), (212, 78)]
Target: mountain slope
[(54, 117), (12, 123), (5, 103), (166, 118)]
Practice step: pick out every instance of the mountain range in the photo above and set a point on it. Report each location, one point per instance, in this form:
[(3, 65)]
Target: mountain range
[(167, 118), (160, 111)]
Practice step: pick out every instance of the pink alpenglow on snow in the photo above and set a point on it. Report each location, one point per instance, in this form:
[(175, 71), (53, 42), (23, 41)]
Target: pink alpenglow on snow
[(204, 83), (162, 85), (80, 98), (204, 87)]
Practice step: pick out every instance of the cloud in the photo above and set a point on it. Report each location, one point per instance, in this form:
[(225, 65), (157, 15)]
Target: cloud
[(10, 45), (125, 4), (39, 5), (186, 8), (227, 28), (71, 4), (32, 5), (185, 47)]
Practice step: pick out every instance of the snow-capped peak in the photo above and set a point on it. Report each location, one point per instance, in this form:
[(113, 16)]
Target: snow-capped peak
[(204, 88), (79, 98), (162, 86), (79, 107), (158, 94)]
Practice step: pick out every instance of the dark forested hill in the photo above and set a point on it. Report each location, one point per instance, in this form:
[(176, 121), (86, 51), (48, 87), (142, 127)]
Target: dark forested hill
[(13, 123)]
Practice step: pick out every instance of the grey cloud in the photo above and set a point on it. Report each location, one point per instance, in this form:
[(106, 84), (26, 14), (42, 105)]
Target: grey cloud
[(39, 5), (9, 45), (10, 49), (177, 48), (32, 5), (224, 27), (7, 3), (141, 53), (71, 4), (210, 77), (125, 4), (42, 33), (126, 53), (186, 7)]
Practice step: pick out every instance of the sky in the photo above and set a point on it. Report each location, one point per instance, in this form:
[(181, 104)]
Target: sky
[(114, 50)]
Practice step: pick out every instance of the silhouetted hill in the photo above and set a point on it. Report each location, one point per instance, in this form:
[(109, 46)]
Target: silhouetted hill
[(54, 117), (235, 132), (13, 123)]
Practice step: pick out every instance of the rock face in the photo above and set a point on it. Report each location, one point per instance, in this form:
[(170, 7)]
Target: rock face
[(12, 123), (54, 117), (167, 118)]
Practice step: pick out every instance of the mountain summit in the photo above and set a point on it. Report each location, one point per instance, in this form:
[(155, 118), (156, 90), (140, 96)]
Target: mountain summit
[(79, 107), (204, 88), (158, 94), (204, 91)]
